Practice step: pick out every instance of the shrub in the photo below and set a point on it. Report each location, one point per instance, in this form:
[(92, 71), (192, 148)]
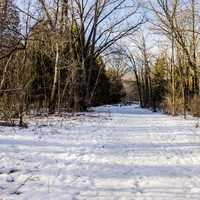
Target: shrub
[(195, 107), (167, 105)]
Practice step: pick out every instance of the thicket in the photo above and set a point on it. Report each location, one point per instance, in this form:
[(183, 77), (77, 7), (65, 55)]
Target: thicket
[(53, 61)]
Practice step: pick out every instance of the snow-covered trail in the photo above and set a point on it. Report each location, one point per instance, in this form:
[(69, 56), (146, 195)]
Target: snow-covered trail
[(113, 153)]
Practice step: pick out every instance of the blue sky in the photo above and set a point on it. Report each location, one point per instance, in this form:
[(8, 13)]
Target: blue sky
[(149, 36)]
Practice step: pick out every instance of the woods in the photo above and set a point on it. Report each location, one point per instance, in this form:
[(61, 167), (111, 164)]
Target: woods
[(64, 55), (167, 71), (52, 58), (99, 99)]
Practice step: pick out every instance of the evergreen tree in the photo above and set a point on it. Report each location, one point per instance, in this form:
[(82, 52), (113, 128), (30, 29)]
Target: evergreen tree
[(159, 82), (9, 27)]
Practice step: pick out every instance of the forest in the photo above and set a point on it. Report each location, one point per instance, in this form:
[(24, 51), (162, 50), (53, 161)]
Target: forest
[(99, 99), (66, 56)]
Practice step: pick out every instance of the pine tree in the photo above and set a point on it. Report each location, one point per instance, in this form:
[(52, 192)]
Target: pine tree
[(9, 27), (159, 82)]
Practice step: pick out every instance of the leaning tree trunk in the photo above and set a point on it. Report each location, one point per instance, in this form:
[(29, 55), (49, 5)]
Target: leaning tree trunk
[(55, 80)]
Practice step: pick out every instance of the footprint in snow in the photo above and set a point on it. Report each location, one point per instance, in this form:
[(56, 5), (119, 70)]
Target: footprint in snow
[(10, 179)]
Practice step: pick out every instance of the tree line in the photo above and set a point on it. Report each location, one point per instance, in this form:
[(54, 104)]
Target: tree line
[(52, 54), (66, 55), (167, 71)]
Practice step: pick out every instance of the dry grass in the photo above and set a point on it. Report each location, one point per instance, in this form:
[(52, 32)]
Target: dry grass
[(167, 105), (8, 108), (195, 107)]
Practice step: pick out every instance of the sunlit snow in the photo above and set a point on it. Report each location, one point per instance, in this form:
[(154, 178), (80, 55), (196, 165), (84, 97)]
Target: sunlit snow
[(116, 152)]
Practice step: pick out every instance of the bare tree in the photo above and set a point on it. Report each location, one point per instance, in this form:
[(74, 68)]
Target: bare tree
[(133, 67), (95, 26), (14, 59), (101, 24)]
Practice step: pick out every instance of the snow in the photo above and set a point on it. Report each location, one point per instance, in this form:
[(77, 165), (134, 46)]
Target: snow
[(116, 152)]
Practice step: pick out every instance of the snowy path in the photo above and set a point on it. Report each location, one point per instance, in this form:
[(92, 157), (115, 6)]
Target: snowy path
[(113, 153)]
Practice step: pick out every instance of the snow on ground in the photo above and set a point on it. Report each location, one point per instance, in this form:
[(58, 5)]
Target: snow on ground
[(112, 153)]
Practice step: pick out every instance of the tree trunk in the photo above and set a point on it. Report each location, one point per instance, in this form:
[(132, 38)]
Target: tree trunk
[(139, 88), (55, 80), (173, 78)]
